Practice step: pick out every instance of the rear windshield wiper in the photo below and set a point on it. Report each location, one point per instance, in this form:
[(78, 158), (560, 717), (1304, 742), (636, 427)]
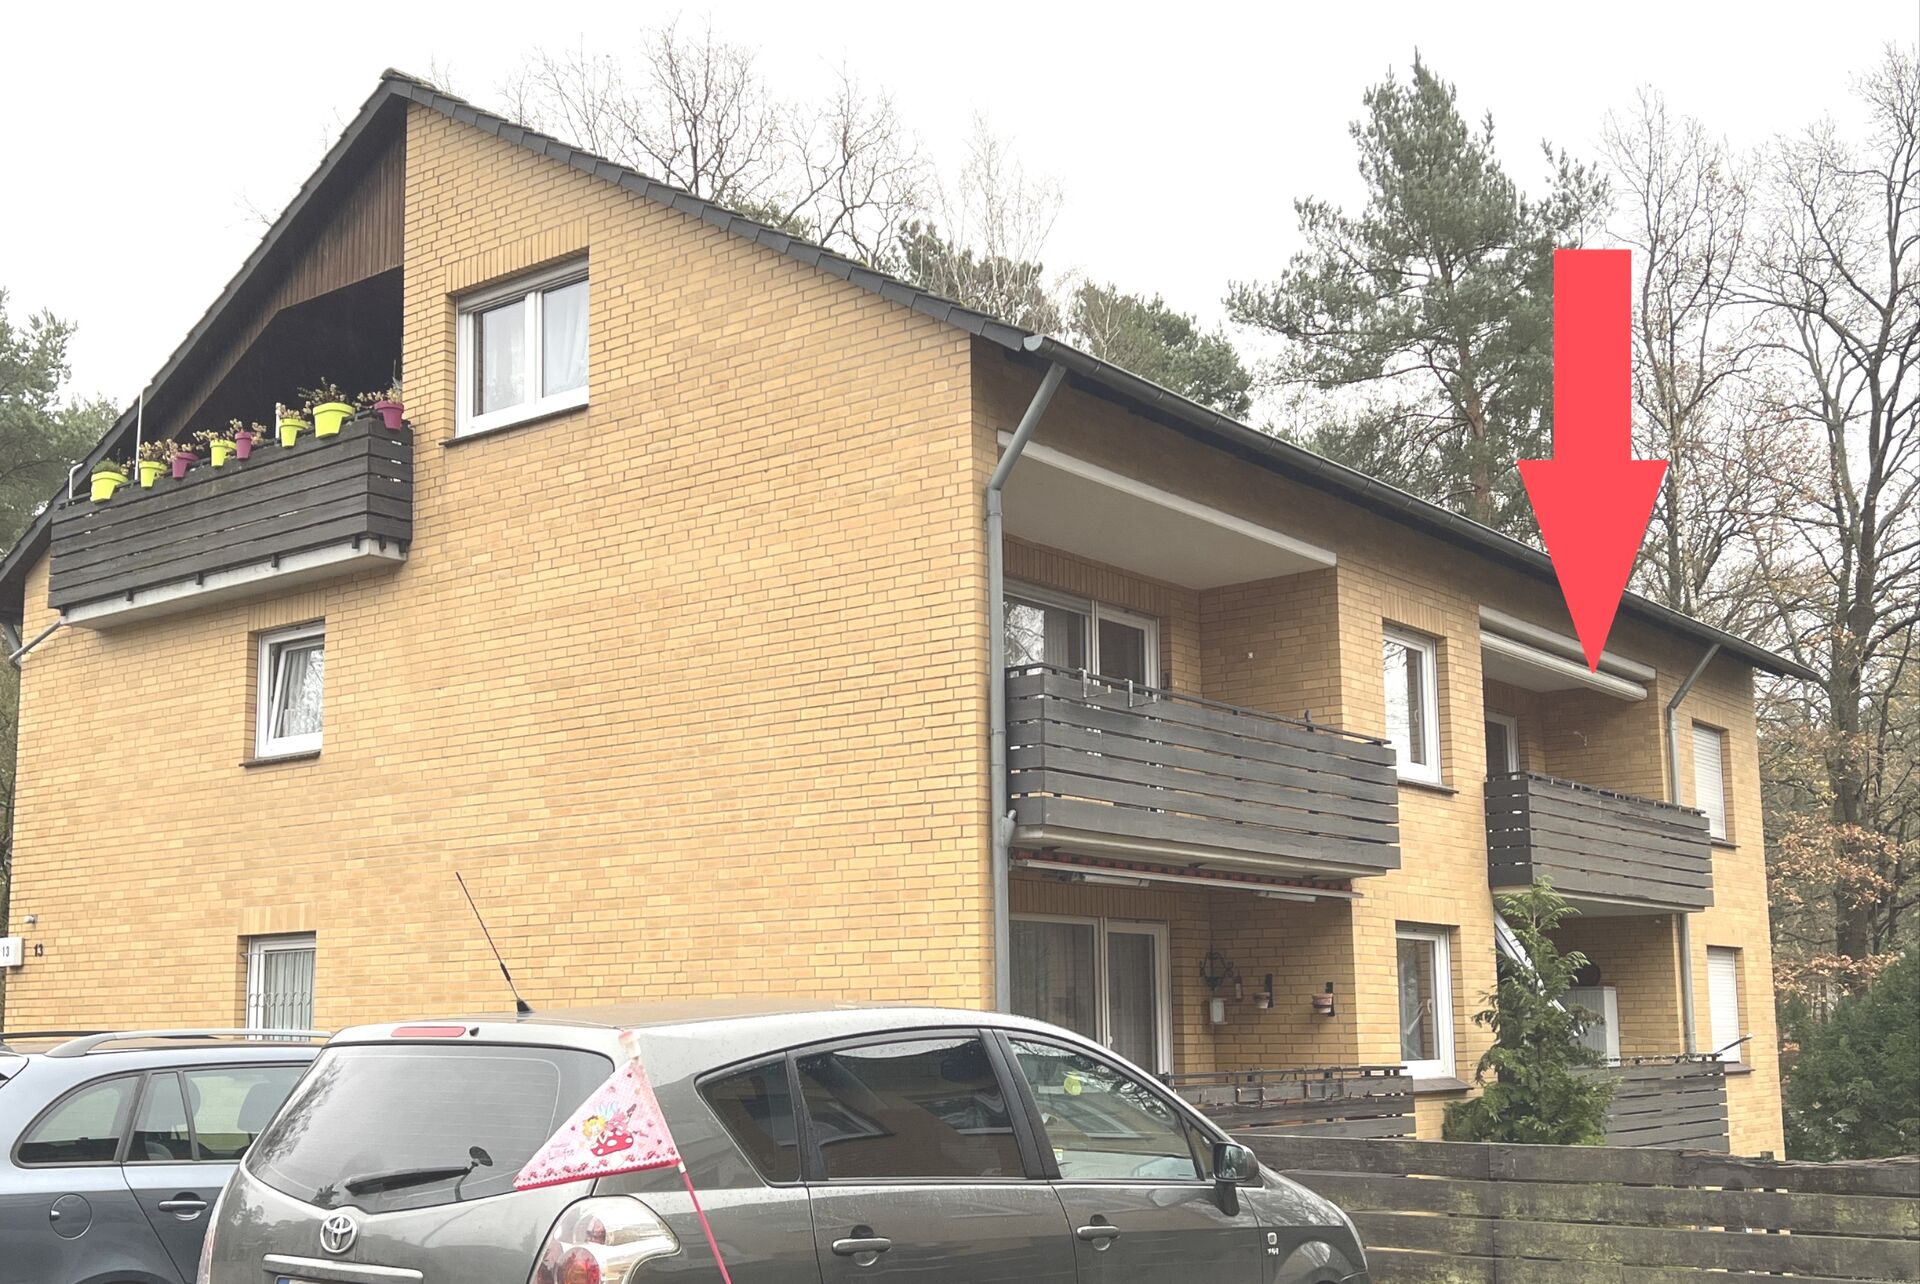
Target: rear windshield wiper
[(395, 1178)]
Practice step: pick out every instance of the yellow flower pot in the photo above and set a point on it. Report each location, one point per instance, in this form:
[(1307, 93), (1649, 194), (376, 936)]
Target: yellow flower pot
[(150, 470), (104, 484), (290, 430), (222, 452), (328, 416)]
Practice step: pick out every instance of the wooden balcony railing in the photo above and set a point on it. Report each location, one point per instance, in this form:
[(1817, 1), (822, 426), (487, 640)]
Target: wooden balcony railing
[(1597, 845), (1326, 1101), (1105, 767), (322, 508)]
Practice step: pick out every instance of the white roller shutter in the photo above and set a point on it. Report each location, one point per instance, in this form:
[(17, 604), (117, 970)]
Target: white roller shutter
[(1710, 777), (1723, 1000)]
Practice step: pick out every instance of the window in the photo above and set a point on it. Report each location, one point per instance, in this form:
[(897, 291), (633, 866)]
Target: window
[(1104, 978), (231, 1106), (1073, 633), (160, 1132), (1710, 777), (1503, 744), (523, 350), (293, 671), (756, 1109), (1413, 704), (378, 1108), (1102, 1124), (1723, 1001), (280, 982), (1426, 1004), (84, 1127), (919, 1108)]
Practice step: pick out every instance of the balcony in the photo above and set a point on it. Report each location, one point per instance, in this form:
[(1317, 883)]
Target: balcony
[(1605, 852), (324, 508), (1108, 769)]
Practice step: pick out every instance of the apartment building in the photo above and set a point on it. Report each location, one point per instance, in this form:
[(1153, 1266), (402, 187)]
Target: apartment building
[(738, 620)]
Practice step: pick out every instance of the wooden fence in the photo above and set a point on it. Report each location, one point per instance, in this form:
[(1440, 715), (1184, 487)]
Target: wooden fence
[(1668, 1101), (1437, 1212), (1332, 1101)]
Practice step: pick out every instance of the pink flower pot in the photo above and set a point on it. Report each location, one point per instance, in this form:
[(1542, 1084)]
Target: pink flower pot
[(181, 462), (242, 445), (389, 412)]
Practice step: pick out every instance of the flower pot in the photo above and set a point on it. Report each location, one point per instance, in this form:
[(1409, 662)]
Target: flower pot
[(150, 470), (290, 430), (183, 461), (389, 412), (104, 484), (242, 445), (328, 416), (222, 452)]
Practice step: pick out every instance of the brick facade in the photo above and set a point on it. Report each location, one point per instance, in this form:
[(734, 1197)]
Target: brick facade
[(691, 685)]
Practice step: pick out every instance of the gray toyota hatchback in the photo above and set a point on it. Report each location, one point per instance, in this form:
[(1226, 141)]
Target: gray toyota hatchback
[(827, 1144)]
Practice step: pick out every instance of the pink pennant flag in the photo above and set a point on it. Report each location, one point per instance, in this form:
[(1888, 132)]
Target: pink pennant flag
[(619, 1129)]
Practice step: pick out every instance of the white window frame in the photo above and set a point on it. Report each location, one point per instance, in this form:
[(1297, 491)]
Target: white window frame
[(265, 743), (1441, 1066), (258, 948), (1092, 612), (466, 421), (1724, 1027), (1102, 976), (1718, 825), (1428, 651)]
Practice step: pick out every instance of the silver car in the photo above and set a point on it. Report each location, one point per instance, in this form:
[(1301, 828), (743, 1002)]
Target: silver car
[(113, 1147), (828, 1144)]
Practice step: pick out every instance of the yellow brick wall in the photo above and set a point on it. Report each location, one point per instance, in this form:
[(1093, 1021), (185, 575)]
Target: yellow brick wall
[(689, 684)]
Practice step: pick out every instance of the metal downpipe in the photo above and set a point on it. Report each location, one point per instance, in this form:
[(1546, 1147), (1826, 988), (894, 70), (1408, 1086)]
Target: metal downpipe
[(1689, 1031), (1000, 814)]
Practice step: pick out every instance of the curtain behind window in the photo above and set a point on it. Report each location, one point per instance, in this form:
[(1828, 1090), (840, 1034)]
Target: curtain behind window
[(563, 339)]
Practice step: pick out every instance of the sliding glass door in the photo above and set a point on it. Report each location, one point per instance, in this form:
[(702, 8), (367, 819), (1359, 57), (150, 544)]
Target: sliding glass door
[(1104, 978)]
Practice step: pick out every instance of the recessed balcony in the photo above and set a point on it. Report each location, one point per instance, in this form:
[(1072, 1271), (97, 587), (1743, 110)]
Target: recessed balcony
[(324, 508), (1605, 852), (1112, 769)]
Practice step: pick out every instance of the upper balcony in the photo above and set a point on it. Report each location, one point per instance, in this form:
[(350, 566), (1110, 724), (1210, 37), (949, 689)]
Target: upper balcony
[(326, 507), (1109, 768), (1606, 852)]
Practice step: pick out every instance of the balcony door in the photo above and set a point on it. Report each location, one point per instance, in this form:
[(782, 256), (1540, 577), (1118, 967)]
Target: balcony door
[(1105, 978), (1043, 627), (1503, 744)]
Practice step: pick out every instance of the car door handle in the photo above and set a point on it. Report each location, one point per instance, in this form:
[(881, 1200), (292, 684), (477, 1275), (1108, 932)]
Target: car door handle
[(184, 1206), (1098, 1232), (867, 1244)]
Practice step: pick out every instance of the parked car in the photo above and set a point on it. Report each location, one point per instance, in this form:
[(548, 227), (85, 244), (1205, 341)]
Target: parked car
[(828, 1143), (118, 1144)]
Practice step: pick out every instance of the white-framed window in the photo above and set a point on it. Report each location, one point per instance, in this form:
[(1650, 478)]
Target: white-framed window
[(1044, 627), (1413, 703), (1723, 1002), (280, 982), (1710, 777), (293, 675), (1105, 978), (522, 349), (1426, 1002)]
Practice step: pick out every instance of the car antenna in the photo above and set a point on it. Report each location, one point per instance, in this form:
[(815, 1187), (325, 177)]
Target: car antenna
[(520, 1005)]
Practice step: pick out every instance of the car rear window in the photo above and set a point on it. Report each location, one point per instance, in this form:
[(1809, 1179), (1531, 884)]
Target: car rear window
[(389, 1110)]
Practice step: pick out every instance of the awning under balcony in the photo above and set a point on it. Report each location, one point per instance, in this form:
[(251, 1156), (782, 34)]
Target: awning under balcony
[(1079, 507), (1526, 655)]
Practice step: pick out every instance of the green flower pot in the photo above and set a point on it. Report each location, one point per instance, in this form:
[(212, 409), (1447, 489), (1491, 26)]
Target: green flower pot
[(328, 416), (290, 430)]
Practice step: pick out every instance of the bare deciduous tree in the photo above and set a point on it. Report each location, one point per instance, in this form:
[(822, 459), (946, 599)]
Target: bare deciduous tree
[(1838, 276), (695, 112)]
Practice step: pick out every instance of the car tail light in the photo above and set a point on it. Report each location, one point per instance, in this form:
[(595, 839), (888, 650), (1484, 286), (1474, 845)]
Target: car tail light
[(599, 1241)]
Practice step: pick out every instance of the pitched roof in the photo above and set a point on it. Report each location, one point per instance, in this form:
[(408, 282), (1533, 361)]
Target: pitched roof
[(1086, 372)]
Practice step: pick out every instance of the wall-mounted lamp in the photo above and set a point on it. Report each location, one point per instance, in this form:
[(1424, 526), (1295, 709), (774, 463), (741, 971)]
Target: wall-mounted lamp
[(1265, 998), (1217, 1011), (1216, 967), (1323, 1003)]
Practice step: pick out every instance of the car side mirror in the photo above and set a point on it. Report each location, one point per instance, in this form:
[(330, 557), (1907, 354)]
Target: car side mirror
[(1233, 1163)]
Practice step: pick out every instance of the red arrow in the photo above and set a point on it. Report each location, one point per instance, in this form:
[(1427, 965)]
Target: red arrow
[(1593, 498)]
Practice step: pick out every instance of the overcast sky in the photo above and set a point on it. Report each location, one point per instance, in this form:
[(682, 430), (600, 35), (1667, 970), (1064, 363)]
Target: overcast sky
[(1180, 135)]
